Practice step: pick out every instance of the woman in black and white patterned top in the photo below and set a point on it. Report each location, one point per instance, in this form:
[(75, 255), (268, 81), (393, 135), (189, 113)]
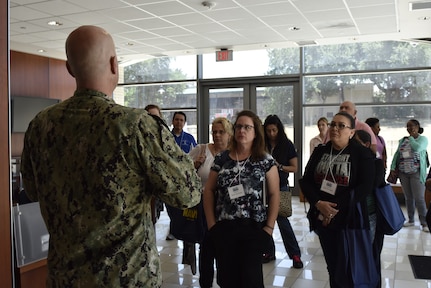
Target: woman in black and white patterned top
[(238, 220)]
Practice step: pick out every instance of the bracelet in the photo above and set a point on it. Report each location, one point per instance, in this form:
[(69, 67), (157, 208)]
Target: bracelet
[(280, 167), (272, 228)]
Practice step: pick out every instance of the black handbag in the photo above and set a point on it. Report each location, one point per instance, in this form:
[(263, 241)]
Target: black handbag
[(188, 224), (357, 268)]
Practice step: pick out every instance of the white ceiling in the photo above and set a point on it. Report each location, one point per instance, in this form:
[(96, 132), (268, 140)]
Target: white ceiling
[(147, 28)]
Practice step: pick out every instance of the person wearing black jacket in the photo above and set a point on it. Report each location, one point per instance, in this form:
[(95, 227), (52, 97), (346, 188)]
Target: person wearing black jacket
[(333, 171)]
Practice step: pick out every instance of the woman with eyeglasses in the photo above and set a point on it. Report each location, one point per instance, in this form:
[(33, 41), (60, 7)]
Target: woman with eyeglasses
[(284, 153), (235, 201), (411, 161), (203, 157), (333, 171)]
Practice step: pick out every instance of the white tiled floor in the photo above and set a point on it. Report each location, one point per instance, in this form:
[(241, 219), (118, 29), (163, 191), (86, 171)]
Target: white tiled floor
[(396, 269)]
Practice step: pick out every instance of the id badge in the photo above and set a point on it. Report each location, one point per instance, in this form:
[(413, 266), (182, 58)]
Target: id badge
[(236, 191), (328, 187), (406, 154)]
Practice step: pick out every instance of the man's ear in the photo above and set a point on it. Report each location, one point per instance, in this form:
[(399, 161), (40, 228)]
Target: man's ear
[(114, 65), (69, 69)]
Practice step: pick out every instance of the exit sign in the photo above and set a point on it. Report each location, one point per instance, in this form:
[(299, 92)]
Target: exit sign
[(224, 55)]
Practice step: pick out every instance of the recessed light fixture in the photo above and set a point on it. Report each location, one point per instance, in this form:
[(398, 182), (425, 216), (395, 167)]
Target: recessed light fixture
[(129, 44), (41, 51), (294, 28), (208, 4), (54, 23)]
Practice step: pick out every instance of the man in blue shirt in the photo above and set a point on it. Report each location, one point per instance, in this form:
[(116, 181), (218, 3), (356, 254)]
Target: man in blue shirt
[(185, 140)]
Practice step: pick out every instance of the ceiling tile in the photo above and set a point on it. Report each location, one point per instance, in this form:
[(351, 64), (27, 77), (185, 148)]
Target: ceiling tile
[(56, 7), (24, 13)]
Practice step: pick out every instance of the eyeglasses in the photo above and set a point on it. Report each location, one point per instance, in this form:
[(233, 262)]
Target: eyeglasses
[(221, 132), (247, 128), (340, 126)]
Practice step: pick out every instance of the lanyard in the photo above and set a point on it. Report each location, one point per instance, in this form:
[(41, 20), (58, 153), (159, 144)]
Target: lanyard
[(331, 161), (240, 168)]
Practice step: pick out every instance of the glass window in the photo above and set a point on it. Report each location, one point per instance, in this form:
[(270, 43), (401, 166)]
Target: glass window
[(366, 56), (165, 95), (253, 63), (395, 87), (160, 69)]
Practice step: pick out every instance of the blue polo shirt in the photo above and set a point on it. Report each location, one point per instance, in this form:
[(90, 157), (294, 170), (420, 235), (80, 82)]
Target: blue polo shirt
[(185, 140)]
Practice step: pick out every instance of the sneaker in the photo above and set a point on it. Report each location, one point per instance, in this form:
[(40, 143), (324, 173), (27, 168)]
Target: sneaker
[(425, 228), (408, 224), (170, 237), (266, 258), (297, 263)]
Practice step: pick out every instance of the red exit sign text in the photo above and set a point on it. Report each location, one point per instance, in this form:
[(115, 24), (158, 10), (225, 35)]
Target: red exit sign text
[(224, 55)]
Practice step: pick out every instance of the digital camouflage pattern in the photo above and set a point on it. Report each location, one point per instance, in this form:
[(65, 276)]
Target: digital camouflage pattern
[(94, 165)]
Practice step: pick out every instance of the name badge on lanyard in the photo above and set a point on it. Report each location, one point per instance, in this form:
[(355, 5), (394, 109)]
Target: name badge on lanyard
[(328, 187), (236, 191)]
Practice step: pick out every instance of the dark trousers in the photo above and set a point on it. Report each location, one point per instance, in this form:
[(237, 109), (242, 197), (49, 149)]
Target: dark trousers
[(329, 241), (288, 236), (377, 251), (206, 262), (239, 248)]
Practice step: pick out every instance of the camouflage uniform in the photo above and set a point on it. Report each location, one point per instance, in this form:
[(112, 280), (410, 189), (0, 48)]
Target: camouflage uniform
[(94, 165)]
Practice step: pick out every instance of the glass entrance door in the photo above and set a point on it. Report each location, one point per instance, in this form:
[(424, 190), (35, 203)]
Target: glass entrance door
[(264, 98)]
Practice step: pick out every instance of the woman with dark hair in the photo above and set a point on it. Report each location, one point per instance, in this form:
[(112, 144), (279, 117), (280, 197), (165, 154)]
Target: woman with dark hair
[(411, 161), (234, 204), (334, 173), (284, 153), (374, 124)]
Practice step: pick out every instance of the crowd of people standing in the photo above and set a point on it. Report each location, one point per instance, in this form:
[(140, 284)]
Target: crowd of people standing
[(128, 161)]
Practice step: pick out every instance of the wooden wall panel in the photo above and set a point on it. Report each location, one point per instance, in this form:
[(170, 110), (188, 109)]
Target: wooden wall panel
[(53, 82), (61, 83), (33, 76), (17, 144), (29, 75), (5, 206)]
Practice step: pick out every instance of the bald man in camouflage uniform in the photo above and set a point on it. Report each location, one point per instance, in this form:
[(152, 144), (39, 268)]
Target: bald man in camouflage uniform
[(94, 165)]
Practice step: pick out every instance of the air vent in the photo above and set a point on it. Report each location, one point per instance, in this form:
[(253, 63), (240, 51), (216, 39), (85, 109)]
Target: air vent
[(414, 6), (306, 43)]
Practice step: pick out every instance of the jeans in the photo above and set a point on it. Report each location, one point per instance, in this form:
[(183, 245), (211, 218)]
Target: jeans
[(414, 194), (288, 236)]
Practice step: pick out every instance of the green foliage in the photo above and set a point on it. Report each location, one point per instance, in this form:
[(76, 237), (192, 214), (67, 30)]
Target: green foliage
[(150, 71), (375, 56)]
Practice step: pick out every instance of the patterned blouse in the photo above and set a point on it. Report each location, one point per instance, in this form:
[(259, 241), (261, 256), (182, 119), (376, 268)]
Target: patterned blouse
[(251, 176)]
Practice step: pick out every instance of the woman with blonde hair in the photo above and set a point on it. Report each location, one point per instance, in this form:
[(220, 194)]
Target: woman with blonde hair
[(322, 125), (203, 157)]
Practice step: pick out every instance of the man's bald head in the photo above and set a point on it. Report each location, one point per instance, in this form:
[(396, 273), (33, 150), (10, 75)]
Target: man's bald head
[(91, 58), (348, 107)]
